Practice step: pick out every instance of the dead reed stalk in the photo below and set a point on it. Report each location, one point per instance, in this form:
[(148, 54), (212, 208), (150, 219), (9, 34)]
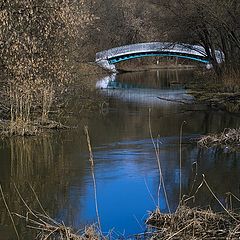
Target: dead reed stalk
[(49, 229), (180, 160), (91, 160), (9, 212), (195, 223), (157, 153)]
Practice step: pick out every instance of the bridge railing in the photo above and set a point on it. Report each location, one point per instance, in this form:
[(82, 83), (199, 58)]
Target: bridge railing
[(151, 47)]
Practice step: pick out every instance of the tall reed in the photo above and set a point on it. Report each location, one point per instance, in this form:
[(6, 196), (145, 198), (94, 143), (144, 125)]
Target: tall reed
[(91, 160)]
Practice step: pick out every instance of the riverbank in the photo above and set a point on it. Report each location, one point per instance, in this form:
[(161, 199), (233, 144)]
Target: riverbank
[(57, 164), (150, 67), (193, 223), (29, 108), (185, 223), (223, 95)]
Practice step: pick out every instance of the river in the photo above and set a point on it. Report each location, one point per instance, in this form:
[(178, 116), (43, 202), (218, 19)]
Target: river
[(56, 165)]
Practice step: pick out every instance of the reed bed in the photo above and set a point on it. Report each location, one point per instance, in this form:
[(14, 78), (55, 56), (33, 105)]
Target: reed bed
[(228, 138)]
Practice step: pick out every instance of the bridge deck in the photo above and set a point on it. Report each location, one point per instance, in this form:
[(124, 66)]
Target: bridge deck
[(149, 47), (108, 58)]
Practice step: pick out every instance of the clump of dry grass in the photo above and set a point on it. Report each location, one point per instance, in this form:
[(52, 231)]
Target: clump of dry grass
[(193, 223), (196, 223), (232, 80), (228, 138), (46, 227), (49, 229)]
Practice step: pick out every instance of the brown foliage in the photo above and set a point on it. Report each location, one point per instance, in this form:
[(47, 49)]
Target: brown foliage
[(36, 40)]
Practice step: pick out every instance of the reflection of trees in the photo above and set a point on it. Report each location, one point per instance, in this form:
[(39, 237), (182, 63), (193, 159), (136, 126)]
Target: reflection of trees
[(220, 169), (222, 174), (161, 79), (41, 163)]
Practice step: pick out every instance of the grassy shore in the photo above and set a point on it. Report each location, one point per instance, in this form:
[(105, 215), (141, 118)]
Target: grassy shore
[(223, 95)]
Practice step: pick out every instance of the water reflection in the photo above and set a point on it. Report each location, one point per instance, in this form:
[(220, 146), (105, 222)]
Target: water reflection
[(57, 165), (38, 162), (135, 89)]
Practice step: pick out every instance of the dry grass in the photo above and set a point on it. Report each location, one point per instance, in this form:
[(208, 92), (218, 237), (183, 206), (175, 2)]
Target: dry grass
[(228, 138), (232, 81), (28, 128), (49, 229), (196, 223), (193, 223)]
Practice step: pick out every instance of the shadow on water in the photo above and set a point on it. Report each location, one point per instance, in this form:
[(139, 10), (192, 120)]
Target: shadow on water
[(57, 166)]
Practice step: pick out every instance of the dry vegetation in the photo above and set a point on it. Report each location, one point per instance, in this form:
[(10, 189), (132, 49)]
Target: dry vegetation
[(228, 138), (196, 223), (45, 227), (37, 40), (193, 223), (49, 229)]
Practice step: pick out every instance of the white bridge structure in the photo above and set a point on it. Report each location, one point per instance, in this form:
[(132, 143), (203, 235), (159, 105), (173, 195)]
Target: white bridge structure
[(108, 58)]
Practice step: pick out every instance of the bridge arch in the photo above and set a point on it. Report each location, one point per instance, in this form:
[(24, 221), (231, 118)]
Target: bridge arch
[(108, 58)]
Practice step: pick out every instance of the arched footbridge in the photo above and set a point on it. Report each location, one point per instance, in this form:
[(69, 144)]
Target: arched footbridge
[(108, 58)]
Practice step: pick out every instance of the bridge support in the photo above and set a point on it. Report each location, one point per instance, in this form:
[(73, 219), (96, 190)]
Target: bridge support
[(107, 66)]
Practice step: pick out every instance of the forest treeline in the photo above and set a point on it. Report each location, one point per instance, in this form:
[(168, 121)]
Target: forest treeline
[(211, 23), (76, 30), (42, 42)]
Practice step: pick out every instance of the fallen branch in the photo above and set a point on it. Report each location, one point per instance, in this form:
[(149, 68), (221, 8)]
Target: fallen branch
[(175, 101)]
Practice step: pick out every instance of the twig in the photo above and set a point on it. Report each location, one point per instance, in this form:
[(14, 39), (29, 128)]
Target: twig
[(211, 191), (180, 161), (175, 101), (149, 192), (37, 199), (9, 213), (180, 231), (29, 209)]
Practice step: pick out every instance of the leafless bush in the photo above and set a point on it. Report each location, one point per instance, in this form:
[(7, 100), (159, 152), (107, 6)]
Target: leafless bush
[(36, 43)]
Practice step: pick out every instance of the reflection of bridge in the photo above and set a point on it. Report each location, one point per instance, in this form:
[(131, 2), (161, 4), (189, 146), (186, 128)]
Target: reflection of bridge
[(108, 58), (143, 96)]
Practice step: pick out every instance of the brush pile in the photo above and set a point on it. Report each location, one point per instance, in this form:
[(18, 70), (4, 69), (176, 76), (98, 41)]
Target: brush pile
[(228, 138), (193, 223)]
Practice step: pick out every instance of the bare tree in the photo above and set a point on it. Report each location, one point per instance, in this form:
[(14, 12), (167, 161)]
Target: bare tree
[(36, 43), (212, 24)]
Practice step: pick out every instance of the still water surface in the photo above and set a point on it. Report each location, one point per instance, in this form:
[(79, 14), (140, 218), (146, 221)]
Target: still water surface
[(126, 169)]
